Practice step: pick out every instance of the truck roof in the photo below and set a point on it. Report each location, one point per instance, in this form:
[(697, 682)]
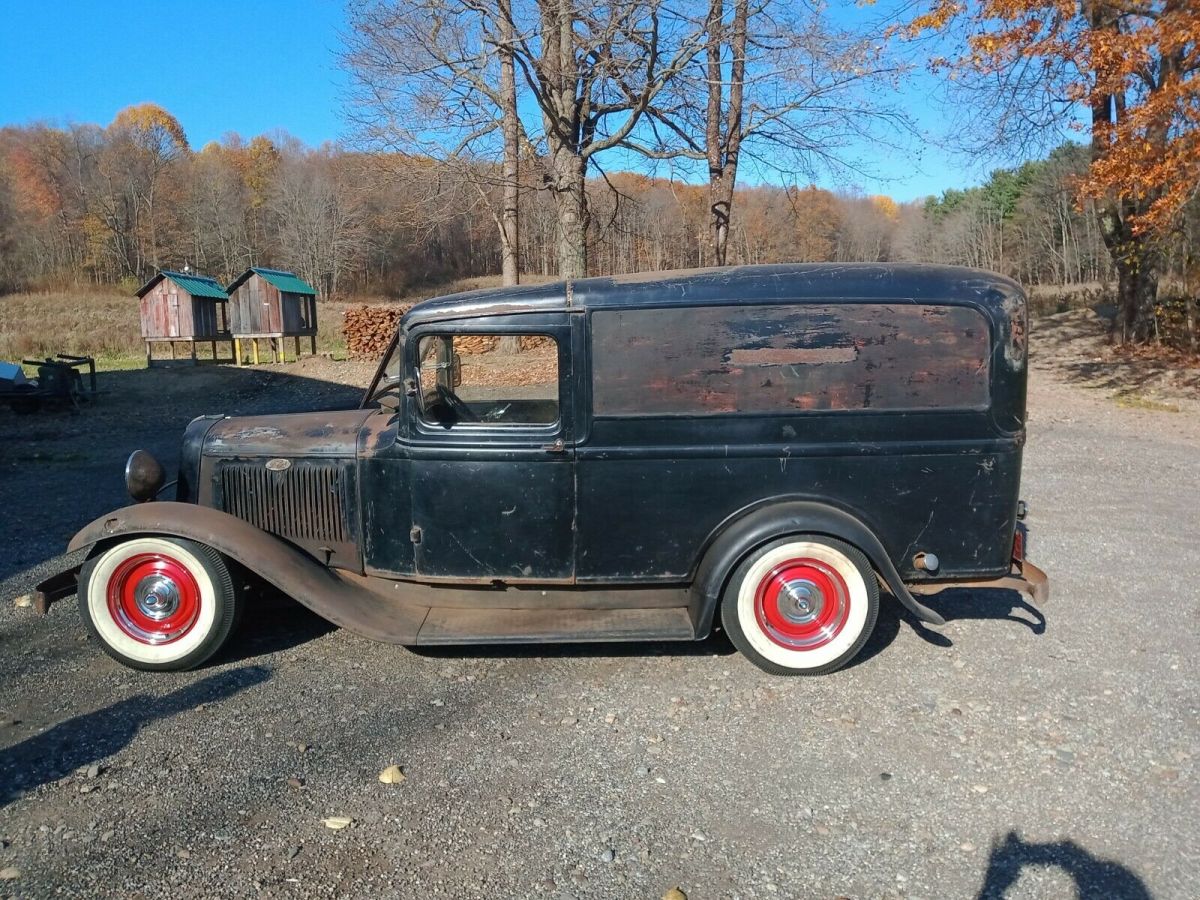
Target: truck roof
[(757, 284)]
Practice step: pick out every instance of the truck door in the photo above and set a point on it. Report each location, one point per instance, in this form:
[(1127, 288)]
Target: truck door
[(491, 458)]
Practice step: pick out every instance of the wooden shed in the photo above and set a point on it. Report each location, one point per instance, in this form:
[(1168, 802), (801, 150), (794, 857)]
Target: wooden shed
[(275, 305), (183, 307)]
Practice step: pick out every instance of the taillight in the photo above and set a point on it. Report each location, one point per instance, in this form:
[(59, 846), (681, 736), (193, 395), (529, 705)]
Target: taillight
[(1020, 537)]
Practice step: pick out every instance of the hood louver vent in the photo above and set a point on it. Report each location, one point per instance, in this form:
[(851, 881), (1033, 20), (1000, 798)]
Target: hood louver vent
[(305, 502)]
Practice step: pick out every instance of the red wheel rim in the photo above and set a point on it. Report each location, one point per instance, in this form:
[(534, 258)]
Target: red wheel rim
[(802, 604), (153, 598)]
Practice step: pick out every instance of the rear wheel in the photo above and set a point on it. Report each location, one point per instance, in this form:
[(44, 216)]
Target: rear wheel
[(158, 603), (802, 605)]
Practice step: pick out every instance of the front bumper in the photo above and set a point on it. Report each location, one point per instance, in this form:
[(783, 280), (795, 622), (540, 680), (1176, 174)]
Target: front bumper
[(64, 584)]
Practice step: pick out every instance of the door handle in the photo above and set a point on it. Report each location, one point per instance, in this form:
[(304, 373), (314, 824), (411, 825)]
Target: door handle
[(557, 447)]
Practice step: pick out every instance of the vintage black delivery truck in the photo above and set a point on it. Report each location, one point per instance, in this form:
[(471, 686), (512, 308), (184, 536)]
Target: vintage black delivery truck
[(757, 448)]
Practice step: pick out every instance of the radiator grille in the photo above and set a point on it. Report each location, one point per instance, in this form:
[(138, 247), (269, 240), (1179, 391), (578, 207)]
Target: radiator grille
[(305, 501)]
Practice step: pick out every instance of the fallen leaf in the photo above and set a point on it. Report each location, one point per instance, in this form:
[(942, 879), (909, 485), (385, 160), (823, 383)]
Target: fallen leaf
[(337, 823), (24, 601), (391, 775), (10, 873), (674, 894)]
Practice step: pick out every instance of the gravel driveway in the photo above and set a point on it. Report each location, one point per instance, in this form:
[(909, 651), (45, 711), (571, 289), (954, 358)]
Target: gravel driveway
[(1005, 755)]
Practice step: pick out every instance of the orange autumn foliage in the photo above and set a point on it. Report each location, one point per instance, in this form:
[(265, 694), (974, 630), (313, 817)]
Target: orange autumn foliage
[(1134, 64)]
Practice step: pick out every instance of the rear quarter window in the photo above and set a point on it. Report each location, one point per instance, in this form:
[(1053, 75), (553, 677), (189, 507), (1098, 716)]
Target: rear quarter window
[(761, 359)]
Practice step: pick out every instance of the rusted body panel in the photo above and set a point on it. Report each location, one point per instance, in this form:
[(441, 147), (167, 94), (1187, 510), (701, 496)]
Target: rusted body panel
[(756, 359), (333, 433)]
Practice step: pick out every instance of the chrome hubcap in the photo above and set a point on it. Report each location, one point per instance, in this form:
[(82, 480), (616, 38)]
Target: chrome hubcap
[(157, 597), (801, 601)]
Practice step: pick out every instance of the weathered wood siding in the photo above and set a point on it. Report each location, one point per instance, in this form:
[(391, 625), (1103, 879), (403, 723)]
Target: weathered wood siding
[(733, 359), (255, 308), (258, 307), (166, 311), (169, 311)]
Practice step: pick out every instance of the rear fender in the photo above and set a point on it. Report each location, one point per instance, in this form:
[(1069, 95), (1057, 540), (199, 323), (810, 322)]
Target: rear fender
[(339, 597), (780, 520)]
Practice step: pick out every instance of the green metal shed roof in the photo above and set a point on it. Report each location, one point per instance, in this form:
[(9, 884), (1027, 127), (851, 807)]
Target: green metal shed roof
[(285, 281), (196, 285)]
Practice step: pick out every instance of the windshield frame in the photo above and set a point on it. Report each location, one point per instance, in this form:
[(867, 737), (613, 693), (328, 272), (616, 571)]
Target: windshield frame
[(381, 381)]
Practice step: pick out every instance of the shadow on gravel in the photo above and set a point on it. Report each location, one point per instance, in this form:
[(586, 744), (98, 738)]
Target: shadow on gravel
[(958, 605), (270, 627), (716, 644), (1095, 878), (85, 739)]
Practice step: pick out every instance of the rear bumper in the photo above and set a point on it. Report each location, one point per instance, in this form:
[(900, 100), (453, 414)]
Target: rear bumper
[(1024, 577)]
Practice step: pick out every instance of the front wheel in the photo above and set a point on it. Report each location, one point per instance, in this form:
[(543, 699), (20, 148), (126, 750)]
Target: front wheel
[(802, 605), (157, 603)]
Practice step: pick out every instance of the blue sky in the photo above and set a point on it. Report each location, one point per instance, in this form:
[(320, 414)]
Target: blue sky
[(255, 66)]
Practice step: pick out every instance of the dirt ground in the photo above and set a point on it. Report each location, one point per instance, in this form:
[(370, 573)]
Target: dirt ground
[(1015, 752)]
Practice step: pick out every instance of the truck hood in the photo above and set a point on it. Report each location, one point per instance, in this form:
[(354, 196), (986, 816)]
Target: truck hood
[(311, 434)]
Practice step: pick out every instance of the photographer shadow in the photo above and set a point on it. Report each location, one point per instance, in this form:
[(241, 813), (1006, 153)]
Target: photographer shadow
[(86, 739), (1095, 878)]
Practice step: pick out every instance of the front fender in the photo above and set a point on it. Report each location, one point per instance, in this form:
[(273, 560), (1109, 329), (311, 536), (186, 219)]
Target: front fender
[(779, 520), (325, 591)]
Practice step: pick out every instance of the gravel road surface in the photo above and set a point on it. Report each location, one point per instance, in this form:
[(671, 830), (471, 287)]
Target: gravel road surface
[(1013, 753)]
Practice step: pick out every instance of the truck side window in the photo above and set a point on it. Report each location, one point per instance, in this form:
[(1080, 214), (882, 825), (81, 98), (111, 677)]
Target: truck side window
[(488, 379)]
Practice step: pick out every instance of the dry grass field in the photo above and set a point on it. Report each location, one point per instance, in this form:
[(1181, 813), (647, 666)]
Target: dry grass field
[(103, 322)]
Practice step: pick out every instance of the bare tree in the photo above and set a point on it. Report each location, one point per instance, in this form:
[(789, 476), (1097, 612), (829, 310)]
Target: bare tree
[(427, 84), (781, 87), (319, 219)]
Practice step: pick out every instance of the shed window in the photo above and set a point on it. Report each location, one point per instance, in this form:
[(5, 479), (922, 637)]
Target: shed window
[(488, 379), (761, 359)]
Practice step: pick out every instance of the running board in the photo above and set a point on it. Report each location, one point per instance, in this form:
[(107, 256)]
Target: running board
[(517, 626)]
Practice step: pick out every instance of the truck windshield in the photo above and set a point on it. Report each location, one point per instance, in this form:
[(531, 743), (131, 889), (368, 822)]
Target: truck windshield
[(387, 376)]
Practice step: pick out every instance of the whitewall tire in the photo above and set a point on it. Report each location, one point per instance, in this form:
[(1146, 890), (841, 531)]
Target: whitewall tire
[(158, 603), (802, 605)]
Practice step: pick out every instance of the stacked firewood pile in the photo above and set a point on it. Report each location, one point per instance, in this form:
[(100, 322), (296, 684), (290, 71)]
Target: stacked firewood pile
[(369, 329)]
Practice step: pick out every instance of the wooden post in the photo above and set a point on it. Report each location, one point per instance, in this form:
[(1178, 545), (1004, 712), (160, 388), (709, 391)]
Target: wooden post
[(297, 348), (237, 351), (255, 354), (172, 343), (148, 355), (214, 346), (313, 339), (193, 351)]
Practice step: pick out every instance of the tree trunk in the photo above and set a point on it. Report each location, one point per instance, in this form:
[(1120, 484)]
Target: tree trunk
[(1137, 290), (1137, 263), (509, 261), (1134, 256), (720, 204), (570, 203), (510, 271), (723, 122)]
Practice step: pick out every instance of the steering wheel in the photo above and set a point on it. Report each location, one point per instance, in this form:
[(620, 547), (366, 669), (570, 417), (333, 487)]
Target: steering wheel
[(452, 400)]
